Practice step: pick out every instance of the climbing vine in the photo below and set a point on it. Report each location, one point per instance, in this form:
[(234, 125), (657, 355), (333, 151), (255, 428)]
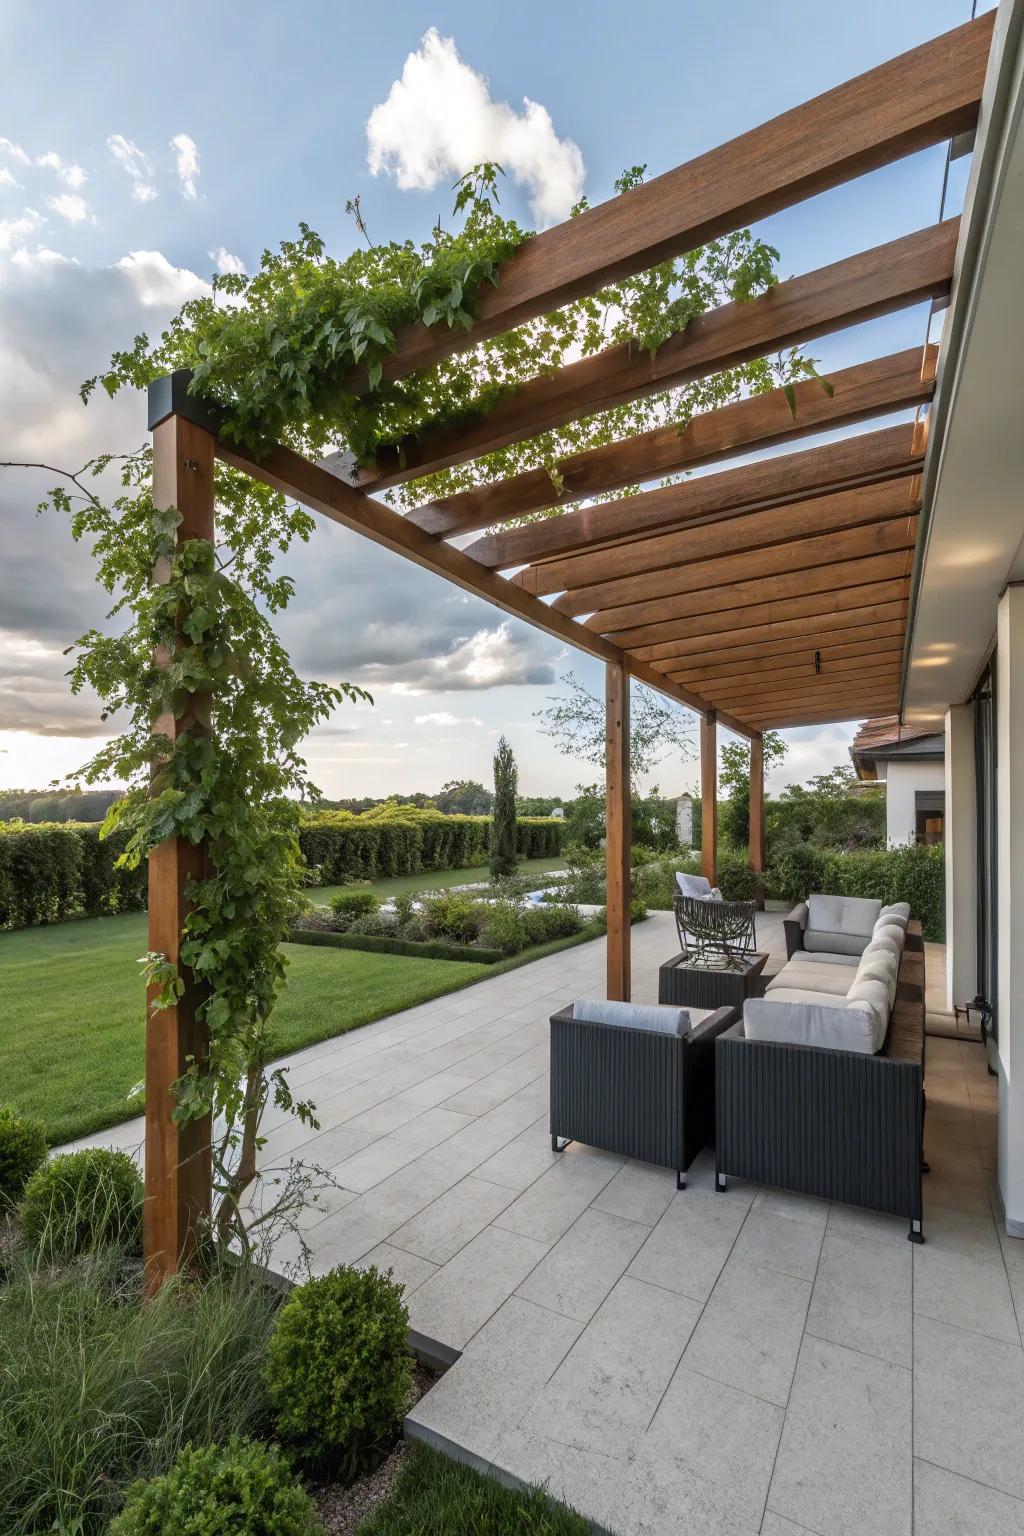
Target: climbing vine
[(277, 351), (200, 643)]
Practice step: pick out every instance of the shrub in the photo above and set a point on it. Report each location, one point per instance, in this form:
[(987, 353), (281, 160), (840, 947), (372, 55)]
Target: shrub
[(339, 1371), (545, 922), (219, 1490), (504, 927), (449, 915), (372, 924), (22, 1151), (79, 1201), (405, 908), (360, 901), (98, 1390), (411, 930)]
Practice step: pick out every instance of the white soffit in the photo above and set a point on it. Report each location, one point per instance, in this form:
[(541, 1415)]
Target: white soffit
[(974, 477)]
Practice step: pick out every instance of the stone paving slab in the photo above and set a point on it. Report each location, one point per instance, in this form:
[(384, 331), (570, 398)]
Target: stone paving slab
[(670, 1363)]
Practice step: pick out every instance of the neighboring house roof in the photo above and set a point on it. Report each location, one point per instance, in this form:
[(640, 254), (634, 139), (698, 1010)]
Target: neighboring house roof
[(885, 740)]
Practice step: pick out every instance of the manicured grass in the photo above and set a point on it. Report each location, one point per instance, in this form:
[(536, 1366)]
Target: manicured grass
[(433, 1496), (439, 879), (71, 1043)]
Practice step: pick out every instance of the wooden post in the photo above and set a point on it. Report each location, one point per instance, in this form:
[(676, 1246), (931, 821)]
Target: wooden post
[(709, 796), (755, 840), (617, 827), (178, 1157)]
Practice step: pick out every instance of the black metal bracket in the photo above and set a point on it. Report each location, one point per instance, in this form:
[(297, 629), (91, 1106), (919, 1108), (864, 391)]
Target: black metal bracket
[(169, 396)]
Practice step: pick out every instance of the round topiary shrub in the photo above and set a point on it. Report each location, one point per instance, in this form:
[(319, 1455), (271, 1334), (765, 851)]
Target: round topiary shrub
[(339, 1372), (356, 901), (82, 1200), (22, 1150), (220, 1490)]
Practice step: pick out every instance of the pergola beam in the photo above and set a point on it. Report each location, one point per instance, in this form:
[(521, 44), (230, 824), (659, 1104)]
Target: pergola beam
[(862, 287), (626, 571), (761, 594), (786, 478), (894, 383), (808, 688), (881, 600), (830, 662), (663, 594), (924, 96), (768, 655)]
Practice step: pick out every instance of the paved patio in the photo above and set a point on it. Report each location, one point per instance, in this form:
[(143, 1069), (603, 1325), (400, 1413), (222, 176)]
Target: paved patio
[(684, 1363)]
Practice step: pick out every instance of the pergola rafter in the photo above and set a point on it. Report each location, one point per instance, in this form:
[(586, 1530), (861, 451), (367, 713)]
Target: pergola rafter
[(769, 595)]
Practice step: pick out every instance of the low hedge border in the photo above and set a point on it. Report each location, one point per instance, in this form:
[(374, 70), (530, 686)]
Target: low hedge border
[(426, 949)]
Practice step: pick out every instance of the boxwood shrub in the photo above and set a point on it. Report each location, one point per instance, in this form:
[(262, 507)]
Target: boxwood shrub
[(22, 1151), (339, 1371), (221, 1490), (82, 1200)]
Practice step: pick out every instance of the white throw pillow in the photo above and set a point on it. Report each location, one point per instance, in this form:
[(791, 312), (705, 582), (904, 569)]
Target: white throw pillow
[(697, 886)]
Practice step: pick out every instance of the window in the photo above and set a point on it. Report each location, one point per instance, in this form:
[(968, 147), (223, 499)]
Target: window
[(929, 815)]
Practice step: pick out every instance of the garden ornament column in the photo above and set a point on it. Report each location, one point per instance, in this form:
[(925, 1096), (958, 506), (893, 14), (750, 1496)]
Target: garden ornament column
[(617, 827), (178, 1156)]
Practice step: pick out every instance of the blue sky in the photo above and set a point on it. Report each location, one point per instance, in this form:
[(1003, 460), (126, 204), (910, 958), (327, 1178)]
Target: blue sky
[(140, 145)]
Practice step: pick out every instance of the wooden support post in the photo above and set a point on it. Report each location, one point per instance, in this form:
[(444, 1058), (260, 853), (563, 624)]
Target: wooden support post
[(617, 828), (755, 838), (709, 796), (178, 1157)]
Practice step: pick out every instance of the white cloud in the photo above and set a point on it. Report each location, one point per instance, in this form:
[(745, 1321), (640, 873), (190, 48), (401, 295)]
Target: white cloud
[(7, 179), (14, 231), (71, 175), (70, 206), (15, 151), (40, 258), (136, 164), (443, 717), (187, 164), (159, 284), (439, 119), (225, 262)]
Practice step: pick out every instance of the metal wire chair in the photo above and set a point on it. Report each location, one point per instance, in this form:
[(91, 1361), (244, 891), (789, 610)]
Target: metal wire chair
[(717, 934)]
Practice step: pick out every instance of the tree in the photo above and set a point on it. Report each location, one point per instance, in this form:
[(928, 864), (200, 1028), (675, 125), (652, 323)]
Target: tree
[(657, 727), (463, 797), (503, 826), (734, 775)]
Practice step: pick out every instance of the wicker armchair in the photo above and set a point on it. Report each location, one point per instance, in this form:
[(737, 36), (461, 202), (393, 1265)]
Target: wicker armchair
[(633, 1091)]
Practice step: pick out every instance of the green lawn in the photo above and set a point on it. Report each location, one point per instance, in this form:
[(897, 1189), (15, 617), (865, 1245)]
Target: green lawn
[(440, 879), (434, 1496), (71, 1043)]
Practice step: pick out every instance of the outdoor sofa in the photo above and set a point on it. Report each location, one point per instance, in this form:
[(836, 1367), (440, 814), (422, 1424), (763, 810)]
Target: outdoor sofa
[(819, 1087), (635, 1080)]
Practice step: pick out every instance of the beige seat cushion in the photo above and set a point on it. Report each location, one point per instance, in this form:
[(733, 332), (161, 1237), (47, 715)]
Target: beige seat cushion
[(836, 980), (822, 957)]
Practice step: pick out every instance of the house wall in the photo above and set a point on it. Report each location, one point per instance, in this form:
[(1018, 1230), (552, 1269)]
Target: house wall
[(1010, 886), (961, 864), (902, 781)]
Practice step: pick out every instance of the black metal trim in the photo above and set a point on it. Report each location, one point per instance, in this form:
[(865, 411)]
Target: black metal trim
[(169, 396)]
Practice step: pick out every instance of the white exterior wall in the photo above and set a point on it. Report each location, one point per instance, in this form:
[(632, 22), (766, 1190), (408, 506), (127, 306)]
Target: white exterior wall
[(1010, 821), (961, 839), (902, 781)]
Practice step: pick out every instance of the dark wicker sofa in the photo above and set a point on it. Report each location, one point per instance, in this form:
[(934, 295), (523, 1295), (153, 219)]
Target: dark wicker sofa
[(635, 1092), (839, 1124)]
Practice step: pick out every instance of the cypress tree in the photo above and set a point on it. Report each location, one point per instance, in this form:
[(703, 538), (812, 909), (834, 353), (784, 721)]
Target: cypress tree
[(503, 825)]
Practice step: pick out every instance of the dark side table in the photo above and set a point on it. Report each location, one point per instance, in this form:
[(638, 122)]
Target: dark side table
[(688, 985)]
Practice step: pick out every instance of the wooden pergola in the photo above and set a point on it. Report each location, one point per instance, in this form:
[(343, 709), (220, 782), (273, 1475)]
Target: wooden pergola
[(765, 596)]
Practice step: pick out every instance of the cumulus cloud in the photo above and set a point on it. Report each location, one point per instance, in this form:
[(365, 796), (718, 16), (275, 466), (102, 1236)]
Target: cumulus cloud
[(14, 231), (157, 283), (225, 262), (8, 178), (439, 120), (186, 164), (71, 175), (136, 165), (70, 206), (445, 717), (15, 151)]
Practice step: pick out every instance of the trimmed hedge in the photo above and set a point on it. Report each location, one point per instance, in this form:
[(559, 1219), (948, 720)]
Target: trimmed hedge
[(403, 840), (427, 949), (56, 870)]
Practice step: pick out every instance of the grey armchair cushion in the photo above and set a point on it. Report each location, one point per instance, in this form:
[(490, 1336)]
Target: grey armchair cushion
[(842, 914), (658, 1018), (698, 886)]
